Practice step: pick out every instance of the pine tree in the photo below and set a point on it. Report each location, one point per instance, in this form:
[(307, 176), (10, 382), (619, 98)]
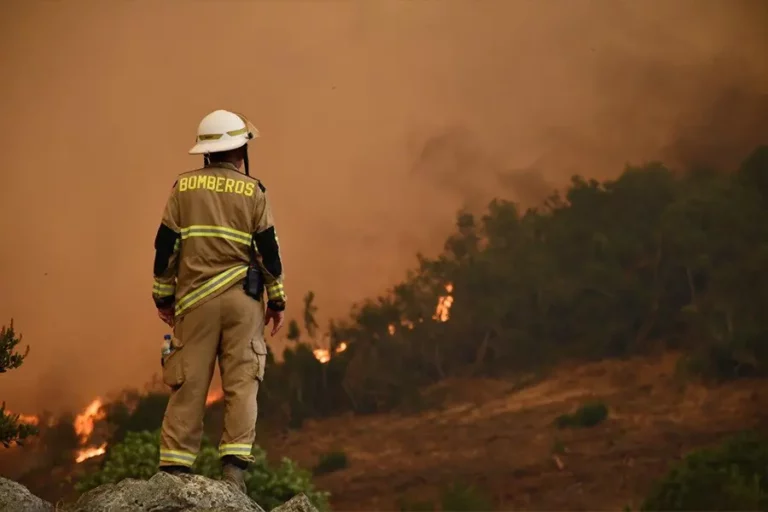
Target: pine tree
[(11, 430)]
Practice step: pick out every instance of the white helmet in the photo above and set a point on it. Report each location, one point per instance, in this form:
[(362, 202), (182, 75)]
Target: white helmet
[(222, 130)]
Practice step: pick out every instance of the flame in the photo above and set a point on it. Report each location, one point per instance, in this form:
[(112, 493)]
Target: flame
[(444, 303), (29, 419), (324, 355), (85, 420), (84, 423), (88, 453), (405, 323), (214, 396)]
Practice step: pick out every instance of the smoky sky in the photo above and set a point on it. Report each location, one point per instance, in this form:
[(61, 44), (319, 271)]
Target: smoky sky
[(379, 120)]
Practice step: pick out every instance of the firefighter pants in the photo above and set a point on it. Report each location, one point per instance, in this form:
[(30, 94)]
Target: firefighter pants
[(230, 327)]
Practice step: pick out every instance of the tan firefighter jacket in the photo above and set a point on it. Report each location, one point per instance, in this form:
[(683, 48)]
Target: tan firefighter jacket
[(216, 223)]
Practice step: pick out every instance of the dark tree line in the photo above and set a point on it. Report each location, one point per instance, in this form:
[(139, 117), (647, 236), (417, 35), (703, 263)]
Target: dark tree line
[(652, 260)]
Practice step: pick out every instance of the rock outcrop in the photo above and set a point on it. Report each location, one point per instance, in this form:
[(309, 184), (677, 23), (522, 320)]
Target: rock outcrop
[(298, 503), (161, 493), (15, 497), (170, 493)]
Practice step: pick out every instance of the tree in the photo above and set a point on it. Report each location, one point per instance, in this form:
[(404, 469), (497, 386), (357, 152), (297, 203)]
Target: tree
[(294, 333), (11, 429), (310, 324)]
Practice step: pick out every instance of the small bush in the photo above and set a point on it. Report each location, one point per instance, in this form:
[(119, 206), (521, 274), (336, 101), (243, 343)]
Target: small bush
[(731, 476), (456, 498), (588, 415), (330, 462), (464, 498), (415, 506), (137, 455)]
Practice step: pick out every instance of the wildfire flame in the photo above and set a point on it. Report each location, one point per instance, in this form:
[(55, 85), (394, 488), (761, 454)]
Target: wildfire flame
[(214, 396), (29, 419), (324, 355), (444, 303), (84, 423), (85, 420), (89, 453), (442, 312)]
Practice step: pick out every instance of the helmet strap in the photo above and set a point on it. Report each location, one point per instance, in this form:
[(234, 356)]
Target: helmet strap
[(206, 160), (245, 162)]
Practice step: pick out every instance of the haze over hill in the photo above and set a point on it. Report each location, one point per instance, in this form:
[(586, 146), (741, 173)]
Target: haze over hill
[(379, 120)]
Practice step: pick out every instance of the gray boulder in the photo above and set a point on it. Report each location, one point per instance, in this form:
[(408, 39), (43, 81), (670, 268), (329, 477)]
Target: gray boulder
[(171, 493), (15, 497), (299, 503)]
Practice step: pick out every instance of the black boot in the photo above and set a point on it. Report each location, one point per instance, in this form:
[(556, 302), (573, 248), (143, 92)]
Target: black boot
[(233, 472), (175, 470)]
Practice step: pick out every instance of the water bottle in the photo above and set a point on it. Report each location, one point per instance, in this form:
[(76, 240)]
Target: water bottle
[(166, 350)]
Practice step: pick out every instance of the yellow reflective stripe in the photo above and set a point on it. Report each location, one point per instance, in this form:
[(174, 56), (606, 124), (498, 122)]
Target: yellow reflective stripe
[(235, 449), (163, 290), (210, 286), (244, 446), (217, 136), (177, 457), (238, 132), (217, 231), (275, 290)]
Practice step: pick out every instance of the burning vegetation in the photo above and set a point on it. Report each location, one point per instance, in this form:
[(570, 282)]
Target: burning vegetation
[(324, 355), (85, 422), (84, 425), (441, 314), (444, 303)]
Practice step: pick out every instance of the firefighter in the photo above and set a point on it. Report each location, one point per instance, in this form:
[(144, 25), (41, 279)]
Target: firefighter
[(215, 252)]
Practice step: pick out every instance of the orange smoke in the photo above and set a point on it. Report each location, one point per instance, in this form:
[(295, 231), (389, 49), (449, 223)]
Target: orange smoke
[(29, 418)]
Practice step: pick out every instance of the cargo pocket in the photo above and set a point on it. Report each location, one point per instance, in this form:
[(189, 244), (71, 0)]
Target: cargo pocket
[(173, 368), (259, 347)]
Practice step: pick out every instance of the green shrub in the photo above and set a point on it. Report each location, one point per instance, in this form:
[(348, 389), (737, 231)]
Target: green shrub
[(405, 505), (732, 476), (137, 455), (456, 498), (461, 498), (588, 415), (330, 462)]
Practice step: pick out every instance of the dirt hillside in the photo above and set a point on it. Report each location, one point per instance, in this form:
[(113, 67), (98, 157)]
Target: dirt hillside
[(499, 436)]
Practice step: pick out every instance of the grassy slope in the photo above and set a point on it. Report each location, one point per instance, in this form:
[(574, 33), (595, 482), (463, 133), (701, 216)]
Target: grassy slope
[(499, 437)]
